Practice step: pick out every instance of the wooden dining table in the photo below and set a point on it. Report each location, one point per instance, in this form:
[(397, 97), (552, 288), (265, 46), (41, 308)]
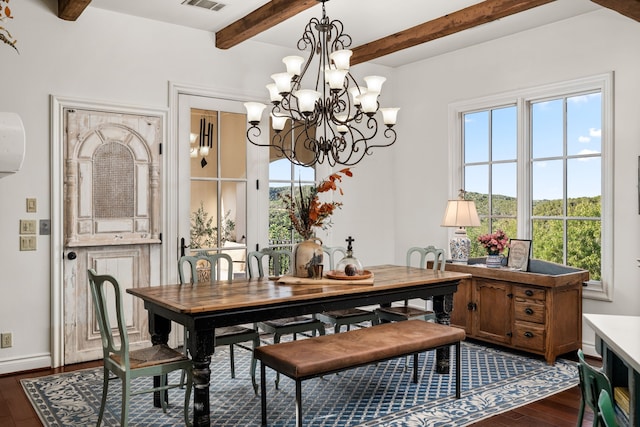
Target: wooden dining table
[(204, 307)]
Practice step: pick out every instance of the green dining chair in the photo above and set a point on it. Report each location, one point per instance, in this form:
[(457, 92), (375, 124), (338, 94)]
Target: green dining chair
[(274, 263), (228, 335), (406, 312), (592, 382), (607, 413), (155, 361), (348, 316)]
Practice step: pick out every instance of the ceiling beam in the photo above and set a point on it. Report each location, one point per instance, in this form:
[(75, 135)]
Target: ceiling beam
[(261, 19), (70, 10), (628, 8), (463, 19)]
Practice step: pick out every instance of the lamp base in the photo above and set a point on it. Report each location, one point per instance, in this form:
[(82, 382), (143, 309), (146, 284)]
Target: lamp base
[(460, 246)]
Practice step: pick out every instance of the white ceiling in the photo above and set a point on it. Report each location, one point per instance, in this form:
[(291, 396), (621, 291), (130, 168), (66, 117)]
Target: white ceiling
[(364, 20)]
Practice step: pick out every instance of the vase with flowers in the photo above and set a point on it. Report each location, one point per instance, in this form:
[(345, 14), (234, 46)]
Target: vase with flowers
[(494, 243), (307, 213)]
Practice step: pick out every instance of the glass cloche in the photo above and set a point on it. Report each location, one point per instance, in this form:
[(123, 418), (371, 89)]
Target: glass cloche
[(349, 265)]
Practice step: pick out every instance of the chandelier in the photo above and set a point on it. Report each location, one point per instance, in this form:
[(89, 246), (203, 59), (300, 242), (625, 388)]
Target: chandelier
[(334, 120)]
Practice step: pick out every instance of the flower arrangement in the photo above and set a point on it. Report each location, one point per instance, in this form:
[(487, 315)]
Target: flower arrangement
[(494, 243), (306, 211)]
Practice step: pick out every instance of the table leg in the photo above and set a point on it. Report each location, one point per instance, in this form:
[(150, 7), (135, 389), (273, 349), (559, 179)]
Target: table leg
[(442, 306), (159, 328), (201, 347)]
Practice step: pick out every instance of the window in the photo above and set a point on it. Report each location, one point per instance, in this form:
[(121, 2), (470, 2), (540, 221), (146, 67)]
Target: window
[(537, 164), (285, 178)]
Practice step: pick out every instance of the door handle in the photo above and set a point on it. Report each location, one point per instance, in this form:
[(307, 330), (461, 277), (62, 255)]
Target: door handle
[(72, 256), (182, 247)]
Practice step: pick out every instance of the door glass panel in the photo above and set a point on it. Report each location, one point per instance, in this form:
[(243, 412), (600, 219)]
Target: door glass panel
[(233, 156), (218, 183), (204, 143)]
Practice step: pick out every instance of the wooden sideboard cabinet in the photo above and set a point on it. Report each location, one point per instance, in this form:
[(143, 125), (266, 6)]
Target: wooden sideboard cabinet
[(539, 311)]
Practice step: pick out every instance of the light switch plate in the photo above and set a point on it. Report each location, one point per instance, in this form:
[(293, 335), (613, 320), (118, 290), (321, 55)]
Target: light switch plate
[(27, 243), (27, 226), (32, 205)]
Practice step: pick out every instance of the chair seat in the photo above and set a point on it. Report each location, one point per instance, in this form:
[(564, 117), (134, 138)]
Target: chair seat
[(289, 321), (151, 356), (229, 331), (404, 312), (345, 314)]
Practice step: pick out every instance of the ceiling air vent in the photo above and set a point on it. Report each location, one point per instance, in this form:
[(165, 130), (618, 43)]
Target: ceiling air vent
[(206, 4)]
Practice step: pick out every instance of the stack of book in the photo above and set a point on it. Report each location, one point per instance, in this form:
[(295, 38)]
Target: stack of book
[(621, 398)]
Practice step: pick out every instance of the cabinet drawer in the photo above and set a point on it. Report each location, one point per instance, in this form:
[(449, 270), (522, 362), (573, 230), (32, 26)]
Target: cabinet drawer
[(528, 335), (529, 310), (528, 293)]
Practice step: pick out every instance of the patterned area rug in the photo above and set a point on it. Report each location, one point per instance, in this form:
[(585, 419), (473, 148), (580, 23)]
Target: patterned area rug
[(493, 381)]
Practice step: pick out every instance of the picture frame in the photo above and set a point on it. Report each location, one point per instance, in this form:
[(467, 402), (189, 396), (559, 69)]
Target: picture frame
[(519, 254)]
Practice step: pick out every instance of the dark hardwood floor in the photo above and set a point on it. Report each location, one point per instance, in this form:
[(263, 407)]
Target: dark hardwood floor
[(559, 410)]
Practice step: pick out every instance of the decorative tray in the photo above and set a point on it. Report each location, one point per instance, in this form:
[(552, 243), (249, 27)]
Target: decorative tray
[(340, 275)]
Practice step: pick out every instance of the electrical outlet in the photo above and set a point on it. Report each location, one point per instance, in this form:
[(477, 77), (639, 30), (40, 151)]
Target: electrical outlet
[(6, 340)]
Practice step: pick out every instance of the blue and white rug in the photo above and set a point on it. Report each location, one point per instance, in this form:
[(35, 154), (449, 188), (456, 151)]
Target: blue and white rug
[(493, 381)]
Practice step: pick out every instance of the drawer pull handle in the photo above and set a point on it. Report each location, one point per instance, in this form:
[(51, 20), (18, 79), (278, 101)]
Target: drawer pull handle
[(528, 334), (528, 311), (528, 293)]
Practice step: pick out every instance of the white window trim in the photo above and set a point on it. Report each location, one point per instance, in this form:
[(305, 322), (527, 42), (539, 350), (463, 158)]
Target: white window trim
[(602, 290)]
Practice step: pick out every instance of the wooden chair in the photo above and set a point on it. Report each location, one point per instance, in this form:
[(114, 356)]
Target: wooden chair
[(406, 312), (608, 414), (278, 261), (592, 382), (228, 335), (157, 360), (349, 316)]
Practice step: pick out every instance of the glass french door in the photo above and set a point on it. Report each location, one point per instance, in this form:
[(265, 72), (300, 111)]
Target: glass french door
[(214, 180)]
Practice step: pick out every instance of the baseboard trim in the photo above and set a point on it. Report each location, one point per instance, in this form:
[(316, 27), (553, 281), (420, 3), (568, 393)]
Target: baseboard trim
[(25, 363)]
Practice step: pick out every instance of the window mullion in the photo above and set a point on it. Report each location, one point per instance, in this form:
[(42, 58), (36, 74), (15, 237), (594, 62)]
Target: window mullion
[(524, 185)]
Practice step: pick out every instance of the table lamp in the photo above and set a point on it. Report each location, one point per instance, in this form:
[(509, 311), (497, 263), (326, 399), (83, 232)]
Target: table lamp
[(460, 213)]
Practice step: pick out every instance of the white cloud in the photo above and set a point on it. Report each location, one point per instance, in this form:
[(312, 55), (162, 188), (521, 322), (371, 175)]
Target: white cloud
[(595, 133), (584, 139)]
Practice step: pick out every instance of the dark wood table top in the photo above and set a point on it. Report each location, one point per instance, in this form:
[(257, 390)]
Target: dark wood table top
[(261, 292)]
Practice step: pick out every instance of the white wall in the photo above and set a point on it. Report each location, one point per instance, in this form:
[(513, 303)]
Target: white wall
[(590, 44), (105, 56)]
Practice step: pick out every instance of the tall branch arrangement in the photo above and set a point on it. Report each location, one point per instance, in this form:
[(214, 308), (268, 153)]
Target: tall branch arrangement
[(5, 35), (306, 211)]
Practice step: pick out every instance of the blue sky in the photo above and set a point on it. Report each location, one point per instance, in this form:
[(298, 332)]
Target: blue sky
[(583, 137)]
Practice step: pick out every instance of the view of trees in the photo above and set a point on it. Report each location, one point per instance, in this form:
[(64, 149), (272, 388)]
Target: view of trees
[(583, 232)]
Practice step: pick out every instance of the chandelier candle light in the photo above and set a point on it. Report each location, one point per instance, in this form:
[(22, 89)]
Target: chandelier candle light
[(460, 213), (335, 121)]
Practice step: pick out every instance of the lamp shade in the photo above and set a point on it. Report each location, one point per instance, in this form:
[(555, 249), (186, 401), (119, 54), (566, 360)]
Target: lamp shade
[(461, 213)]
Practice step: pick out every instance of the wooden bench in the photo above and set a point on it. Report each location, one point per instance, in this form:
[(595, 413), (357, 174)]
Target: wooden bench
[(323, 355)]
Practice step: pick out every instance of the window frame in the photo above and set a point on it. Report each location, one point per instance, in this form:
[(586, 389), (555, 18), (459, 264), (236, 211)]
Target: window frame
[(597, 290)]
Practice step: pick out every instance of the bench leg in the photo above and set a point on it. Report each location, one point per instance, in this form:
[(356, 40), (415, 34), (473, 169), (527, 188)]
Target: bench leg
[(415, 368), (458, 373), (298, 403), (263, 393)]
